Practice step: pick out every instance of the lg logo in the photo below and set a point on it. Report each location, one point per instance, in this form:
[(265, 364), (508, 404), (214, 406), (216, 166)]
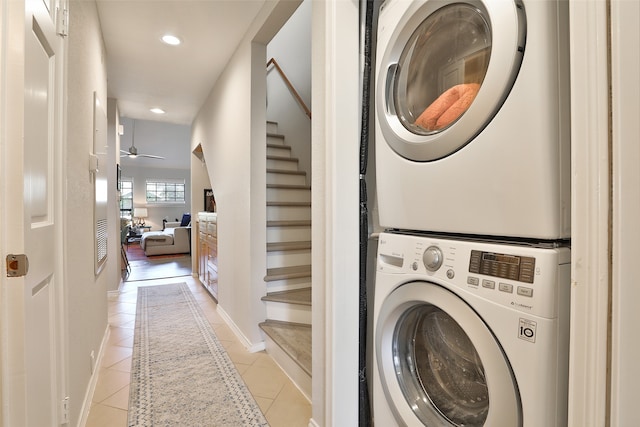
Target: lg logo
[(527, 330)]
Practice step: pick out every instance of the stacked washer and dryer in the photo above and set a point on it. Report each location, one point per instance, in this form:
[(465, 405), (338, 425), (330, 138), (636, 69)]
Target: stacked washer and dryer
[(471, 300)]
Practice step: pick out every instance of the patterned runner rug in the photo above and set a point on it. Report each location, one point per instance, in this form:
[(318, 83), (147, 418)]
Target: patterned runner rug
[(181, 375)]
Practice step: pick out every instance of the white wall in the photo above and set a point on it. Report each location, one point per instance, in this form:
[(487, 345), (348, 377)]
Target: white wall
[(157, 212), (335, 212), (291, 48), (231, 127), (86, 302)]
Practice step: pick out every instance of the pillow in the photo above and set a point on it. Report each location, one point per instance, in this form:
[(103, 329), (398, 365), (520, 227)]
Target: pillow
[(186, 220)]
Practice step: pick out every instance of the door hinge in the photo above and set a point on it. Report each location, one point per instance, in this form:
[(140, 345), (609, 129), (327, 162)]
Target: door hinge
[(64, 411), (17, 265), (62, 21)]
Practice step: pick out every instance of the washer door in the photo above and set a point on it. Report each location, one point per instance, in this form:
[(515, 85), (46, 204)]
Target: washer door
[(446, 71), (439, 363)]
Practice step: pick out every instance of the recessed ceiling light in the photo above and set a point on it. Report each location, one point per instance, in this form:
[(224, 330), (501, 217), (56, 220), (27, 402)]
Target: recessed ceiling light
[(157, 110), (171, 40)]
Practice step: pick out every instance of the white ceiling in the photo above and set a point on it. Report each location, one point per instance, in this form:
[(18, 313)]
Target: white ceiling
[(143, 72)]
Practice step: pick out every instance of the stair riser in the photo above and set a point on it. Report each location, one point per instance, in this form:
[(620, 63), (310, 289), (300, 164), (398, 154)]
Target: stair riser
[(286, 165), (285, 179), (275, 140), (279, 259), (279, 151), (288, 195), (272, 127), (288, 234), (288, 312), (288, 213)]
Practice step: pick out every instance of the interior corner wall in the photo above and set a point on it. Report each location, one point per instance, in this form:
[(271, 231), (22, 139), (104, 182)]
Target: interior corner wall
[(291, 48), (86, 293)]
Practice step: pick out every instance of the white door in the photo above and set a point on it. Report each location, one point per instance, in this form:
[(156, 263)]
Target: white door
[(31, 305)]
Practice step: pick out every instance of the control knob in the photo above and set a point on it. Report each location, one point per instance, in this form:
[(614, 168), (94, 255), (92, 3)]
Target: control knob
[(432, 258)]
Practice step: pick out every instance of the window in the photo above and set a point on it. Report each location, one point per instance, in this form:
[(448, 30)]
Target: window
[(165, 191), (126, 198)]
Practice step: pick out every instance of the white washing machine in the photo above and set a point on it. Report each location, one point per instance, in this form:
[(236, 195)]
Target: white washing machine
[(472, 114), (470, 333)]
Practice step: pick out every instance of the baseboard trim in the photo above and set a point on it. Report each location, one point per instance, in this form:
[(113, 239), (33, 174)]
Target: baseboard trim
[(246, 342), (93, 381)]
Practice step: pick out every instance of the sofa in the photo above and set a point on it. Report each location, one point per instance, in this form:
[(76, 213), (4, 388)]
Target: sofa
[(174, 239)]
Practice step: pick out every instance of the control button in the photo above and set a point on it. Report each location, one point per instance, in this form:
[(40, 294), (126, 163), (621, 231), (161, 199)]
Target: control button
[(432, 258), (414, 266), (489, 284), (474, 281), (505, 287), (451, 274), (525, 292)]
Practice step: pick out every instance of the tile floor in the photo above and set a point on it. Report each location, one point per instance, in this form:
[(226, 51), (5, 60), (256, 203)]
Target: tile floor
[(281, 402)]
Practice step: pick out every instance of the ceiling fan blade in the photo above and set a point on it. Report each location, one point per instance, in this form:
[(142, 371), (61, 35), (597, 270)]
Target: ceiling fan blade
[(124, 151), (150, 156)]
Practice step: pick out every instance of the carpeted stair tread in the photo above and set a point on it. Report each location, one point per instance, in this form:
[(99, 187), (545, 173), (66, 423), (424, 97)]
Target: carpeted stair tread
[(295, 296), (275, 135), (293, 338), (283, 273), (288, 246)]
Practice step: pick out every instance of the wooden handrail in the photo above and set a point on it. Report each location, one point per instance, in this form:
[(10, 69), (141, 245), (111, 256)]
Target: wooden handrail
[(290, 86)]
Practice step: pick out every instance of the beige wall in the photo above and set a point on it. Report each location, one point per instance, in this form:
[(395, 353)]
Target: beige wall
[(86, 304)]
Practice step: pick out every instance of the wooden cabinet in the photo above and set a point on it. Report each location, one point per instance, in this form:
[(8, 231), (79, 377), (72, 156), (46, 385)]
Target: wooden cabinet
[(208, 251)]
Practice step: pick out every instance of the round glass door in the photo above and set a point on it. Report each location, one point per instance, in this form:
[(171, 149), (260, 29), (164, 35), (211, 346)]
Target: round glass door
[(445, 72), (438, 366), (439, 363), (441, 68)]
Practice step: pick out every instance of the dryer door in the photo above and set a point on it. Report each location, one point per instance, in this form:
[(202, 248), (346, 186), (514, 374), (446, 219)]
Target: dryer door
[(445, 71), (440, 364)]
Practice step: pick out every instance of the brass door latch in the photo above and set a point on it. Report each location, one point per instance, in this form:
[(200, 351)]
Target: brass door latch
[(17, 265)]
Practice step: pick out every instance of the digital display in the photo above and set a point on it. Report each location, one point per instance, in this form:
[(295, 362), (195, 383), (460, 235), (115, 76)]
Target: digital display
[(503, 266)]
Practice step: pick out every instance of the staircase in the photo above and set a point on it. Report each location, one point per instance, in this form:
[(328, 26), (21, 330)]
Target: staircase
[(287, 329)]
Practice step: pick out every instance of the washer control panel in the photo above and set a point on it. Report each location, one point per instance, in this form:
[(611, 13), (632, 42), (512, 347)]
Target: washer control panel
[(521, 277)]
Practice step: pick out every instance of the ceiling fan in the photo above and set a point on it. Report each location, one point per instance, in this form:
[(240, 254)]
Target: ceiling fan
[(132, 153)]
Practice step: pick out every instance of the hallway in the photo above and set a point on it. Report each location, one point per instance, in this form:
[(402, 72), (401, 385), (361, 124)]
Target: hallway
[(281, 402)]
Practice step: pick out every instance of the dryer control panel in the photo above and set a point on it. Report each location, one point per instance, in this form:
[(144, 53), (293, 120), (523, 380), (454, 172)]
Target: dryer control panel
[(503, 266)]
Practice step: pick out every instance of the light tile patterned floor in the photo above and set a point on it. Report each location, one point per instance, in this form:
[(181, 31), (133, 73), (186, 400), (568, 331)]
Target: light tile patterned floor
[(281, 402)]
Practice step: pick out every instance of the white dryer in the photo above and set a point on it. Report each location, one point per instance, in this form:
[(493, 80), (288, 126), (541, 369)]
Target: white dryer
[(472, 115), (470, 333)]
